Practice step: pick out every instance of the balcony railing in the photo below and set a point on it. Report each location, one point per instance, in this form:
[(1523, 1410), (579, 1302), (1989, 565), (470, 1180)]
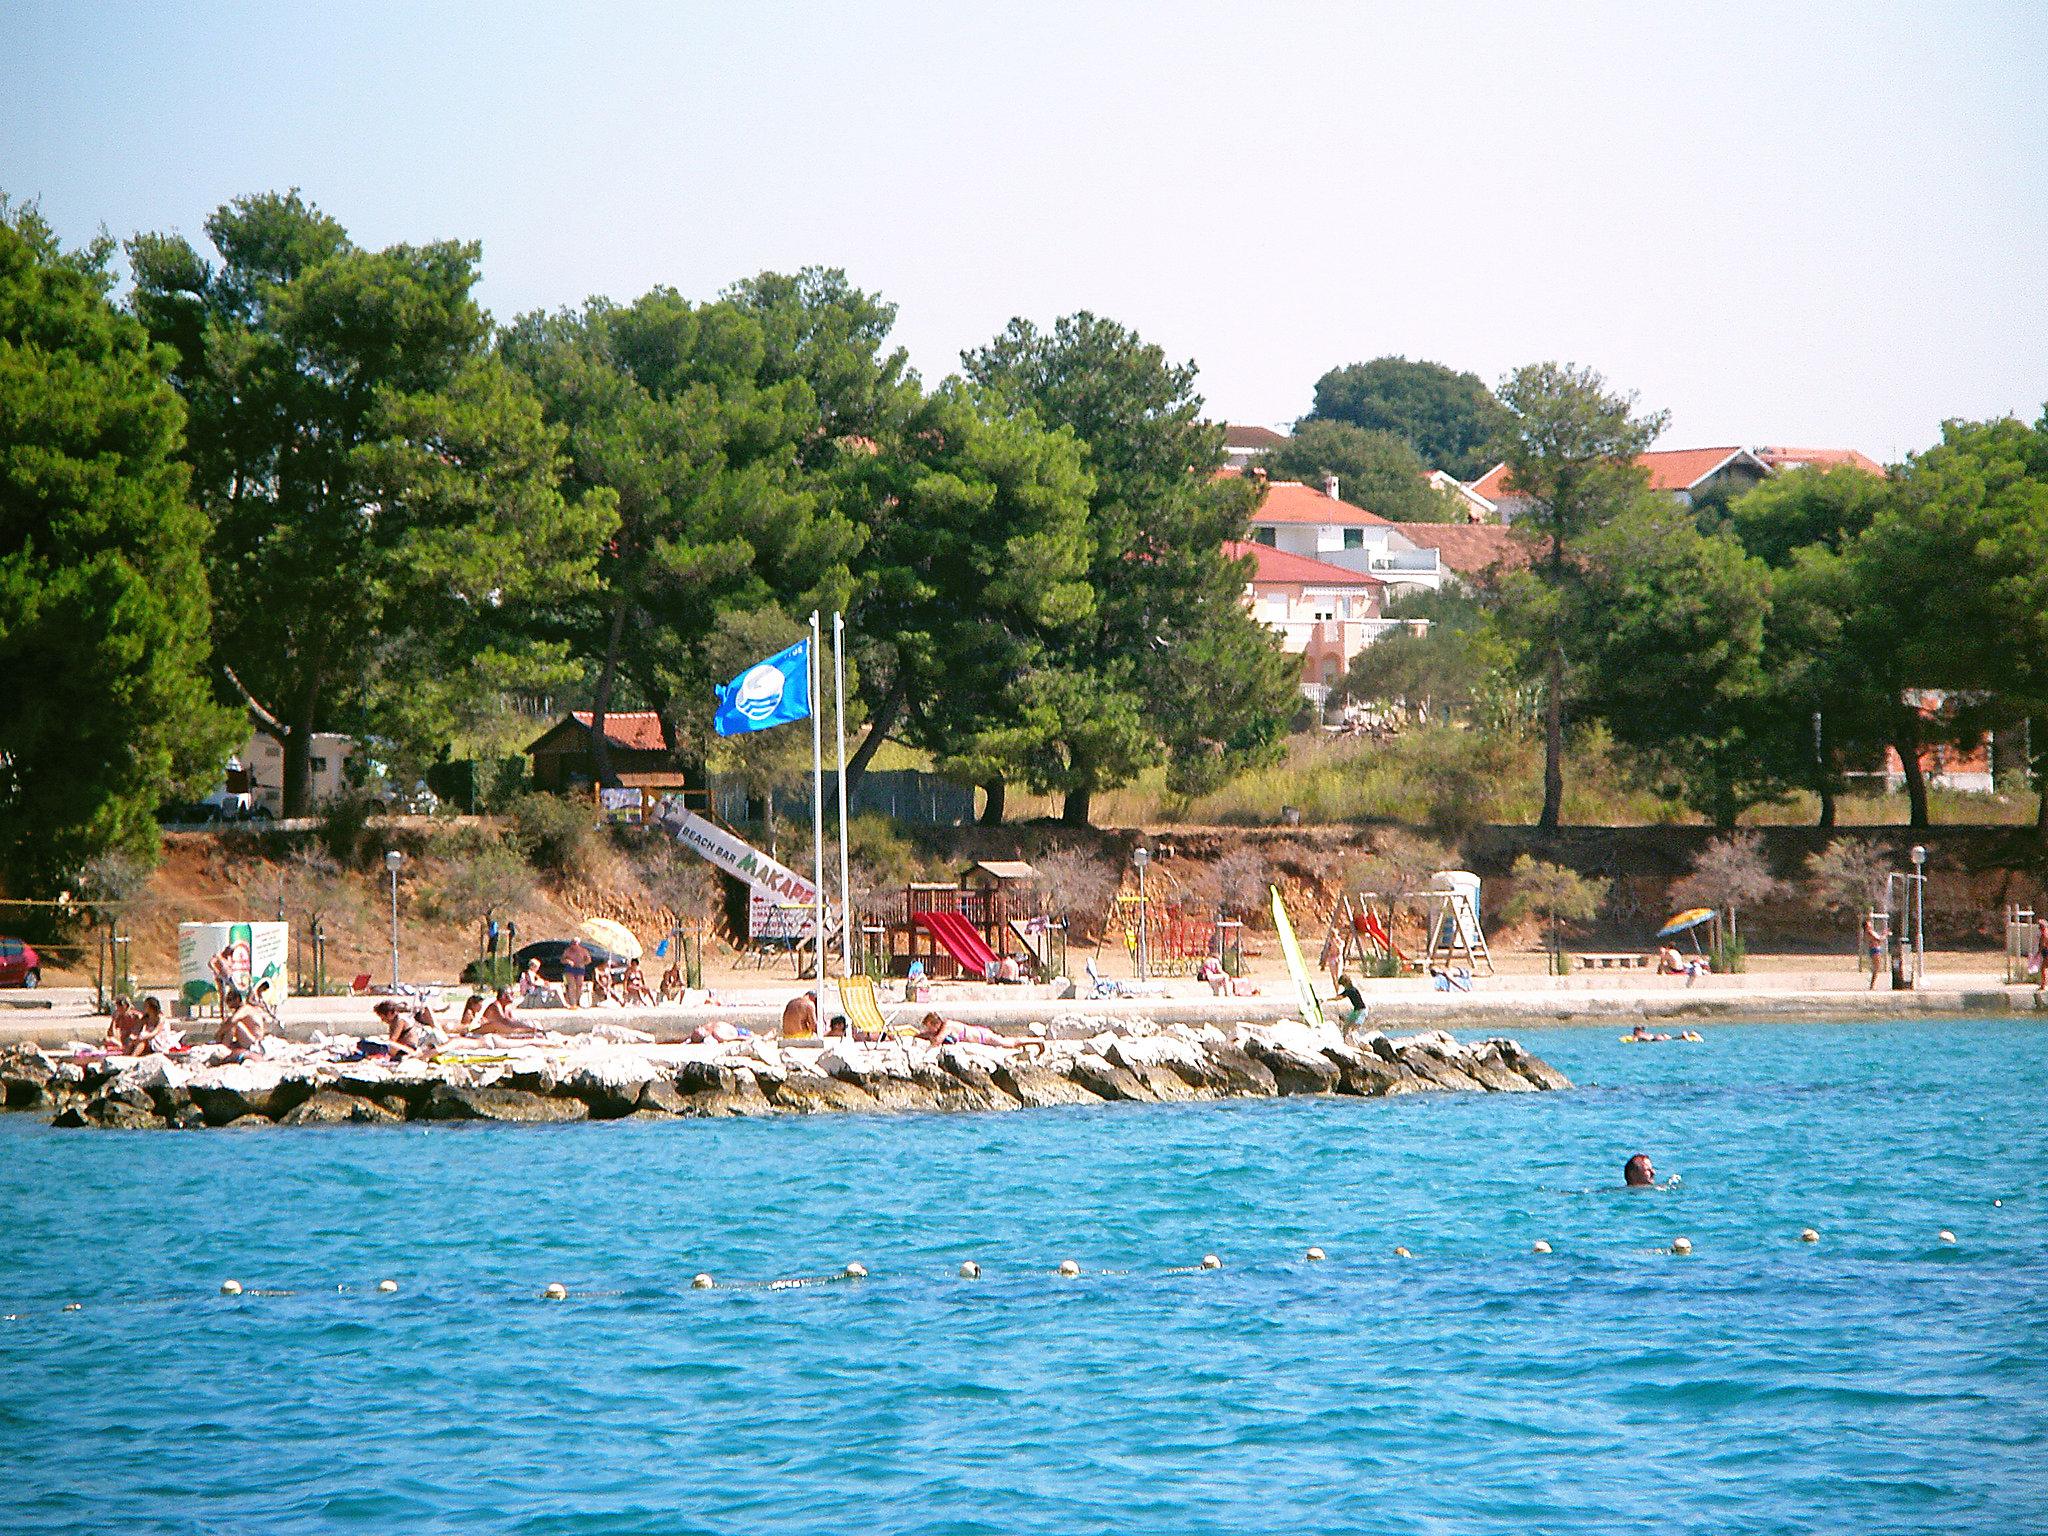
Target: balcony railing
[(1345, 635)]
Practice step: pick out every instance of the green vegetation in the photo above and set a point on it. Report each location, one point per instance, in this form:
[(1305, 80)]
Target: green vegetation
[(312, 485), (103, 600)]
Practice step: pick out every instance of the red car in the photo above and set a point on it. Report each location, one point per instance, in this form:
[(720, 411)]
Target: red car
[(20, 966)]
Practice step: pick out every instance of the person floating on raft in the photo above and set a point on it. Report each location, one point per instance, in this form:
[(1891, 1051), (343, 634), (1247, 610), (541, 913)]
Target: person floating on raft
[(1641, 1035)]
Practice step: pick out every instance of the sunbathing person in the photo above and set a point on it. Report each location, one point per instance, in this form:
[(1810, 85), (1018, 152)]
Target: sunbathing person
[(124, 1025), (404, 1033), (635, 987), (534, 985), (943, 1031), (800, 1016), (152, 1034), (241, 1031), (472, 1006), (714, 1031), (498, 1018), (671, 985)]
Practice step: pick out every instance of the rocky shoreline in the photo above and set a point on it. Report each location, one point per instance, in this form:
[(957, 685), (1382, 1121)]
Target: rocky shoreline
[(594, 1080)]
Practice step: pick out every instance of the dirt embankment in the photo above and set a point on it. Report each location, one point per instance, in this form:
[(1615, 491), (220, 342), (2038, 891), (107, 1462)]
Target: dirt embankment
[(242, 874)]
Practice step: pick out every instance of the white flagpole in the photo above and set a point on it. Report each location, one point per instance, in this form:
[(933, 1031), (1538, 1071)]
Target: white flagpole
[(817, 676), (839, 721)]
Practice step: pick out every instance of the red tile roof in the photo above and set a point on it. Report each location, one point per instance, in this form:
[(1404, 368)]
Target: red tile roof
[(1277, 565), (1819, 458), (1680, 469), (1235, 436), (1472, 549), (1492, 485), (1669, 469), (634, 730), (1289, 501)]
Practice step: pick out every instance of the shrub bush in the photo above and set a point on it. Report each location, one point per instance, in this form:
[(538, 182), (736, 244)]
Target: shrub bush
[(555, 835)]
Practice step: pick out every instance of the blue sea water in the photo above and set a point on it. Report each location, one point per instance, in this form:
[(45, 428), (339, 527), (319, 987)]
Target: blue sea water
[(1879, 1380)]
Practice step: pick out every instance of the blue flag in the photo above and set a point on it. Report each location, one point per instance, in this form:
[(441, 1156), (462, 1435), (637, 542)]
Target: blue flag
[(771, 692)]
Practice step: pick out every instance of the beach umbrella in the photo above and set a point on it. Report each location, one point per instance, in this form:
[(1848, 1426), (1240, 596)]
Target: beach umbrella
[(1692, 917), (616, 937)]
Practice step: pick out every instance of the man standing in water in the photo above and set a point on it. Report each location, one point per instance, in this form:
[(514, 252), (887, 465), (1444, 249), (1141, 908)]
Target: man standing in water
[(1637, 1173)]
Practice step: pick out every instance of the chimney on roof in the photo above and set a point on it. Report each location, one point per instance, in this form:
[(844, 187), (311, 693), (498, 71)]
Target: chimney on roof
[(1330, 486)]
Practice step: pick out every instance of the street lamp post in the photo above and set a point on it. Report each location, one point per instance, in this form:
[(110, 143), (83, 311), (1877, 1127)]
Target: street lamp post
[(1919, 914), (392, 861), (1141, 857)]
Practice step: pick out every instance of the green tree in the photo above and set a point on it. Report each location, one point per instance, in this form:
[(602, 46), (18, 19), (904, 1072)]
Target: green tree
[(978, 559), (1559, 897), (1376, 470), (103, 599), (1462, 662), (1449, 418), (1570, 446), (1671, 630), (383, 490), (1961, 556), (699, 429), (1170, 666), (1800, 508)]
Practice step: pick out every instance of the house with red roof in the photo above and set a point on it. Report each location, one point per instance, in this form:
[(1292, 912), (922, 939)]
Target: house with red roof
[(1691, 475), (1298, 519), (637, 744), (1324, 613)]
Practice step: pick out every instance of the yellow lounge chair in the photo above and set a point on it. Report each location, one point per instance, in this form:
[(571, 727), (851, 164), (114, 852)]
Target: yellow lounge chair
[(864, 1008)]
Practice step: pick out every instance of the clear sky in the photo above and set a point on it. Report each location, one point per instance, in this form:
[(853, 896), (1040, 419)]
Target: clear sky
[(1791, 224)]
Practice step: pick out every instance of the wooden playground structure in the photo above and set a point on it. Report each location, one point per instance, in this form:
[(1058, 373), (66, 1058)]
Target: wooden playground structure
[(994, 911), (1362, 926)]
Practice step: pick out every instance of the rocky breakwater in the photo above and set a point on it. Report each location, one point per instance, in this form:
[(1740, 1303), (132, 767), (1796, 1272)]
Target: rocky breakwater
[(599, 1081)]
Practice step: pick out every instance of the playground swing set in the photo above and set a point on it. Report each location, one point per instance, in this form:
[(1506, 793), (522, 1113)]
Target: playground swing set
[(1453, 938)]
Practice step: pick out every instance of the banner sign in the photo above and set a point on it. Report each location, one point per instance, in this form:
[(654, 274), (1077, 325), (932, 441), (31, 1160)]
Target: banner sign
[(738, 859), (257, 954)]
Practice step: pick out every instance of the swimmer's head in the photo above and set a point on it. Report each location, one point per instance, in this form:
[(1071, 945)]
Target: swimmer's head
[(1637, 1173)]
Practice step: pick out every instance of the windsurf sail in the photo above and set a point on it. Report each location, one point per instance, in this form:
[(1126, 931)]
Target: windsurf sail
[(1311, 1006)]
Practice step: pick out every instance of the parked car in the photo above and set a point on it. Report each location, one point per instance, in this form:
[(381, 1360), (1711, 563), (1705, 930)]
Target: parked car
[(20, 965), (549, 953)]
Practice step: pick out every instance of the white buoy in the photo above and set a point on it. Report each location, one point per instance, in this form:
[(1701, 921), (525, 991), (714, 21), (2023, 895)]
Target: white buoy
[(1808, 1235), (556, 1291), (1998, 1202), (1681, 1246), (1403, 1253), (1540, 1246), (700, 1282), (1316, 1255), (1946, 1236), (1210, 1261), (387, 1286), (231, 1287), (1069, 1269), (969, 1270), (856, 1270), (73, 1306)]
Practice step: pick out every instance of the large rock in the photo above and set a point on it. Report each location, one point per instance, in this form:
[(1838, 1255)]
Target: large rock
[(329, 1106), (512, 1106), (813, 1093), (1427, 1062), (118, 1107), (228, 1093), (1528, 1065), (1172, 1069), (1362, 1072), (973, 1068), (25, 1076), (1105, 1079), (1038, 1087), (1297, 1067), (1234, 1070), (610, 1085), (718, 1089), (1485, 1063)]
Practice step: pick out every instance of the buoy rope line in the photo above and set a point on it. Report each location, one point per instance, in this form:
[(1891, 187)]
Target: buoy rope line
[(970, 1269)]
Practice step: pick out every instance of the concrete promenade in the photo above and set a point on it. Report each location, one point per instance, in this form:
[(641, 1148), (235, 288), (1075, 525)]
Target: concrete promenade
[(53, 1016)]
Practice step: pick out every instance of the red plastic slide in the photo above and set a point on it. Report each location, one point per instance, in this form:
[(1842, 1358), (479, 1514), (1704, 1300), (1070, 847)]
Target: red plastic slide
[(957, 938)]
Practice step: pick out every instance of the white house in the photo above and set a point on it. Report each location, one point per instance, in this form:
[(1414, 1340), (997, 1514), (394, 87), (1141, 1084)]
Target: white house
[(1326, 614), (262, 761), (1299, 520), (1245, 446)]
